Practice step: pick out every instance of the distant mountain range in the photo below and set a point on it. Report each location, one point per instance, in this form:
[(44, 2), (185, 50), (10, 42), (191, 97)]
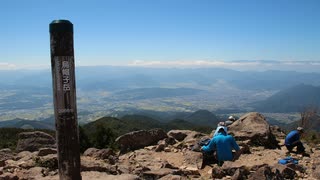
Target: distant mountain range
[(164, 94), (293, 99), (200, 120), (116, 78), (203, 117), (138, 122), (27, 124)]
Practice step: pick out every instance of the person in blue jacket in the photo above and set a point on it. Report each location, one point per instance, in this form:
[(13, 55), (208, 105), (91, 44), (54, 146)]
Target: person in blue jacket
[(223, 145), (293, 140)]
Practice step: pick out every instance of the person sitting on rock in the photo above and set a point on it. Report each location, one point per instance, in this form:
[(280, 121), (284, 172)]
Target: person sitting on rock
[(293, 140), (223, 145), (230, 120)]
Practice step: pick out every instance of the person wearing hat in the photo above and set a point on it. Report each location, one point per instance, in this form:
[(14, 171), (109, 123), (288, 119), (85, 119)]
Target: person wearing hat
[(220, 125), (293, 140), (230, 120), (223, 145)]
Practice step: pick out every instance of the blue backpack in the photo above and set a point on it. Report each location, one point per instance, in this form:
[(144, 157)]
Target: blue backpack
[(287, 160)]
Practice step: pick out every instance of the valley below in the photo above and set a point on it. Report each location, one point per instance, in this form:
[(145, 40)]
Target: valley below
[(163, 93)]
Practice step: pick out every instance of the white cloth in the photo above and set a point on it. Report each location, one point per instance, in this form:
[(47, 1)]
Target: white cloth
[(219, 127)]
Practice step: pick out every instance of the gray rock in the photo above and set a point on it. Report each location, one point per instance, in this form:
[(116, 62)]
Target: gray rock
[(160, 147), (170, 141), (99, 153), (33, 141), (5, 156), (8, 176), (218, 173), (171, 177), (316, 173), (33, 173), (91, 152), (25, 155), (285, 171), (179, 134), (46, 151), (193, 159), (97, 165), (157, 174), (140, 139), (253, 127), (265, 172)]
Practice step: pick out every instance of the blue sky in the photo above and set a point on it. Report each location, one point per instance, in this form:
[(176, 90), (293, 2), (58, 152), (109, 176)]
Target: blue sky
[(163, 32)]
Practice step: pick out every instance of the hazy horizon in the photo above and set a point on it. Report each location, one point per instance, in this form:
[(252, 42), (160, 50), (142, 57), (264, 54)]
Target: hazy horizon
[(240, 65)]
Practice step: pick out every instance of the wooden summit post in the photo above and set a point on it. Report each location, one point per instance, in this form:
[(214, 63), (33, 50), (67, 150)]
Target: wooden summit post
[(64, 98)]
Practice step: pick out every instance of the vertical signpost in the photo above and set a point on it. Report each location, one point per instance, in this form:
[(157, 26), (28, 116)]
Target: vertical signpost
[(64, 97)]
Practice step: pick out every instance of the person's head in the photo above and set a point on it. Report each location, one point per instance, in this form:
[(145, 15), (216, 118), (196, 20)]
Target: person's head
[(221, 130), (300, 130), (221, 123), (231, 118)]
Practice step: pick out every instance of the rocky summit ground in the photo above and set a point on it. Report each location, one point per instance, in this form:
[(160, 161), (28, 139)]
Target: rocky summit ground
[(167, 156)]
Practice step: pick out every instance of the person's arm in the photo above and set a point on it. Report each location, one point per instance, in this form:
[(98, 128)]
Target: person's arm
[(237, 155), (235, 145), (209, 147), (237, 148)]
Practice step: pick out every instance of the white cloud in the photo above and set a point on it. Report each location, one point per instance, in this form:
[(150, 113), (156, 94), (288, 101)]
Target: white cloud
[(258, 65), (11, 66), (241, 65), (197, 63), (7, 66), (315, 63)]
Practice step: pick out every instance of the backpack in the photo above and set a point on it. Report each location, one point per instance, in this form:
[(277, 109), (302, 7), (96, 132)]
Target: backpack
[(204, 142), (196, 147), (287, 160)]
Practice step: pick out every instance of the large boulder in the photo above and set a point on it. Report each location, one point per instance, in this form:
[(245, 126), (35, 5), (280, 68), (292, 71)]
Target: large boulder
[(179, 134), (253, 128), (139, 139), (33, 141), (188, 139)]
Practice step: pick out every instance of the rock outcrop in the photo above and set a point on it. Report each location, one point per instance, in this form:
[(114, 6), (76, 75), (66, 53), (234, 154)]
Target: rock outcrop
[(170, 156), (253, 129), (33, 141), (139, 139)]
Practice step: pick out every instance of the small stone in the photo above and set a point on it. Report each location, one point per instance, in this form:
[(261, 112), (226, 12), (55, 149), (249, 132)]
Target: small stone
[(192, 168), (149, 148), (182, 167)]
